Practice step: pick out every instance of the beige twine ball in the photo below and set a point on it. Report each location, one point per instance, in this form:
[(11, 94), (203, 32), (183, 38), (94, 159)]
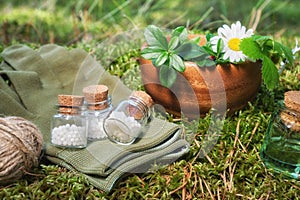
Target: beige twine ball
[(20, 148)]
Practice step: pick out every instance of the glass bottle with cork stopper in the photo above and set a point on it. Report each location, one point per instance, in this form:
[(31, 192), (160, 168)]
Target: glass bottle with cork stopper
[(68, 126), (127, 121), (98, 106), (281, 148)]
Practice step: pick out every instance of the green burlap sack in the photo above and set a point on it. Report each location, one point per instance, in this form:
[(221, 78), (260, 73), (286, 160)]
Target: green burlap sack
[(29, 84), (32, 79)]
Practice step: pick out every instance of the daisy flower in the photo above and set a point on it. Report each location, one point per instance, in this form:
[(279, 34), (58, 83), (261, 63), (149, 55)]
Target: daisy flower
[(231, 38)]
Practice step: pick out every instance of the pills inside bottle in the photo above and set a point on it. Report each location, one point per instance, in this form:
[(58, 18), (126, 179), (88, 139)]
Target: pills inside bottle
[(68, 126), (128, 119), (98, 106)]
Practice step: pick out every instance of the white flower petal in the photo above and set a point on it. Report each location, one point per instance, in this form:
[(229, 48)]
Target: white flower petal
[(226, 33), (214, 40), (238, 25), (249, 32), (234, 29), (226, 55), (242, 32), (222, 32)]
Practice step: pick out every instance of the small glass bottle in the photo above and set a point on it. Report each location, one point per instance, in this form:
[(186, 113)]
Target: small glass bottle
[(128, 119), (98, 106), (281, 148), (68, 127)]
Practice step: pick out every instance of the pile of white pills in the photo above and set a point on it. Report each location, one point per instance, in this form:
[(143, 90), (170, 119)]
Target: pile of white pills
[(69, 136), (122, 128), (95, 129)]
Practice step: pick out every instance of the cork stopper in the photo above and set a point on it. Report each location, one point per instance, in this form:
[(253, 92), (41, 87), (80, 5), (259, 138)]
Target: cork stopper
[(142, 110), (146, 98), (291, 116), (96, 96), (292, 100), (69, 103)]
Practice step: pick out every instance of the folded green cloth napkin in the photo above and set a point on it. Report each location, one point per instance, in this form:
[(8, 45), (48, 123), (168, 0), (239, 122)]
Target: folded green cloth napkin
[(29, 84), (134, 162)]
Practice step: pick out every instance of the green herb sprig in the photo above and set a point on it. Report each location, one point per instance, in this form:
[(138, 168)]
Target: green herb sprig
[(264, 48), (169, 55)]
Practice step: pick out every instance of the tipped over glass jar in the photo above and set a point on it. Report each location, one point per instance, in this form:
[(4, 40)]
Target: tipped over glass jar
[(128, 120), (281, 148)]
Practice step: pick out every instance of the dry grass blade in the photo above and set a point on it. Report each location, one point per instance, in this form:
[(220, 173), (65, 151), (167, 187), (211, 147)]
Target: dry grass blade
[(210, 160), (195, 188), (224, 181), (201, 187), (256, 15), (237, 133), (252, 134), (208, 189), (186, 177), (243, 147), (231, 173), (218, 193)]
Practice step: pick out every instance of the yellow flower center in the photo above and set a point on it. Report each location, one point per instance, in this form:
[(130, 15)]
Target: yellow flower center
[(234, 44)]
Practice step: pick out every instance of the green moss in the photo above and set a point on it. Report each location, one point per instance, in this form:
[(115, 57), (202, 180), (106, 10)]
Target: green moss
[(232, 170)]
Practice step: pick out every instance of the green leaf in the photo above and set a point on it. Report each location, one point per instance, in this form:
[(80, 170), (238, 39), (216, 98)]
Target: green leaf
[(269, 73), (208, 50), (251, 49), (195, 40), (180, 32), (209, 36), (277, 48), (153, 63), (189, 51), (154, 49), (219, 46), (161, 59), (151, 52), (263, 40), (174, 42), (167, 76), (177, 63), (206, 63), (155, 37), (287, 53)]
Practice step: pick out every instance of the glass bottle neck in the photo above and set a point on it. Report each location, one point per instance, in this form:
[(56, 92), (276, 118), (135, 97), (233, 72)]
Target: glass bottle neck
[(100, 105), (141, 106)]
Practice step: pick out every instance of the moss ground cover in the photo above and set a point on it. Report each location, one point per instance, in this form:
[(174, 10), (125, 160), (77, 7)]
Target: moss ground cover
[(233, 169)]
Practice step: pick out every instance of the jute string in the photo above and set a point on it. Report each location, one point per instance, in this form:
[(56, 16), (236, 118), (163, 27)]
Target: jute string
[(20, 148)]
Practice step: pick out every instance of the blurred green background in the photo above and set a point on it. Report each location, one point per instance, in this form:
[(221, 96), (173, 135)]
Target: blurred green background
[(66, 22)]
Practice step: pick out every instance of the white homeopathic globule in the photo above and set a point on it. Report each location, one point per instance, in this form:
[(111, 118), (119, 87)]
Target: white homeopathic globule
[(69, 136), (122, 128), (95, 127)]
